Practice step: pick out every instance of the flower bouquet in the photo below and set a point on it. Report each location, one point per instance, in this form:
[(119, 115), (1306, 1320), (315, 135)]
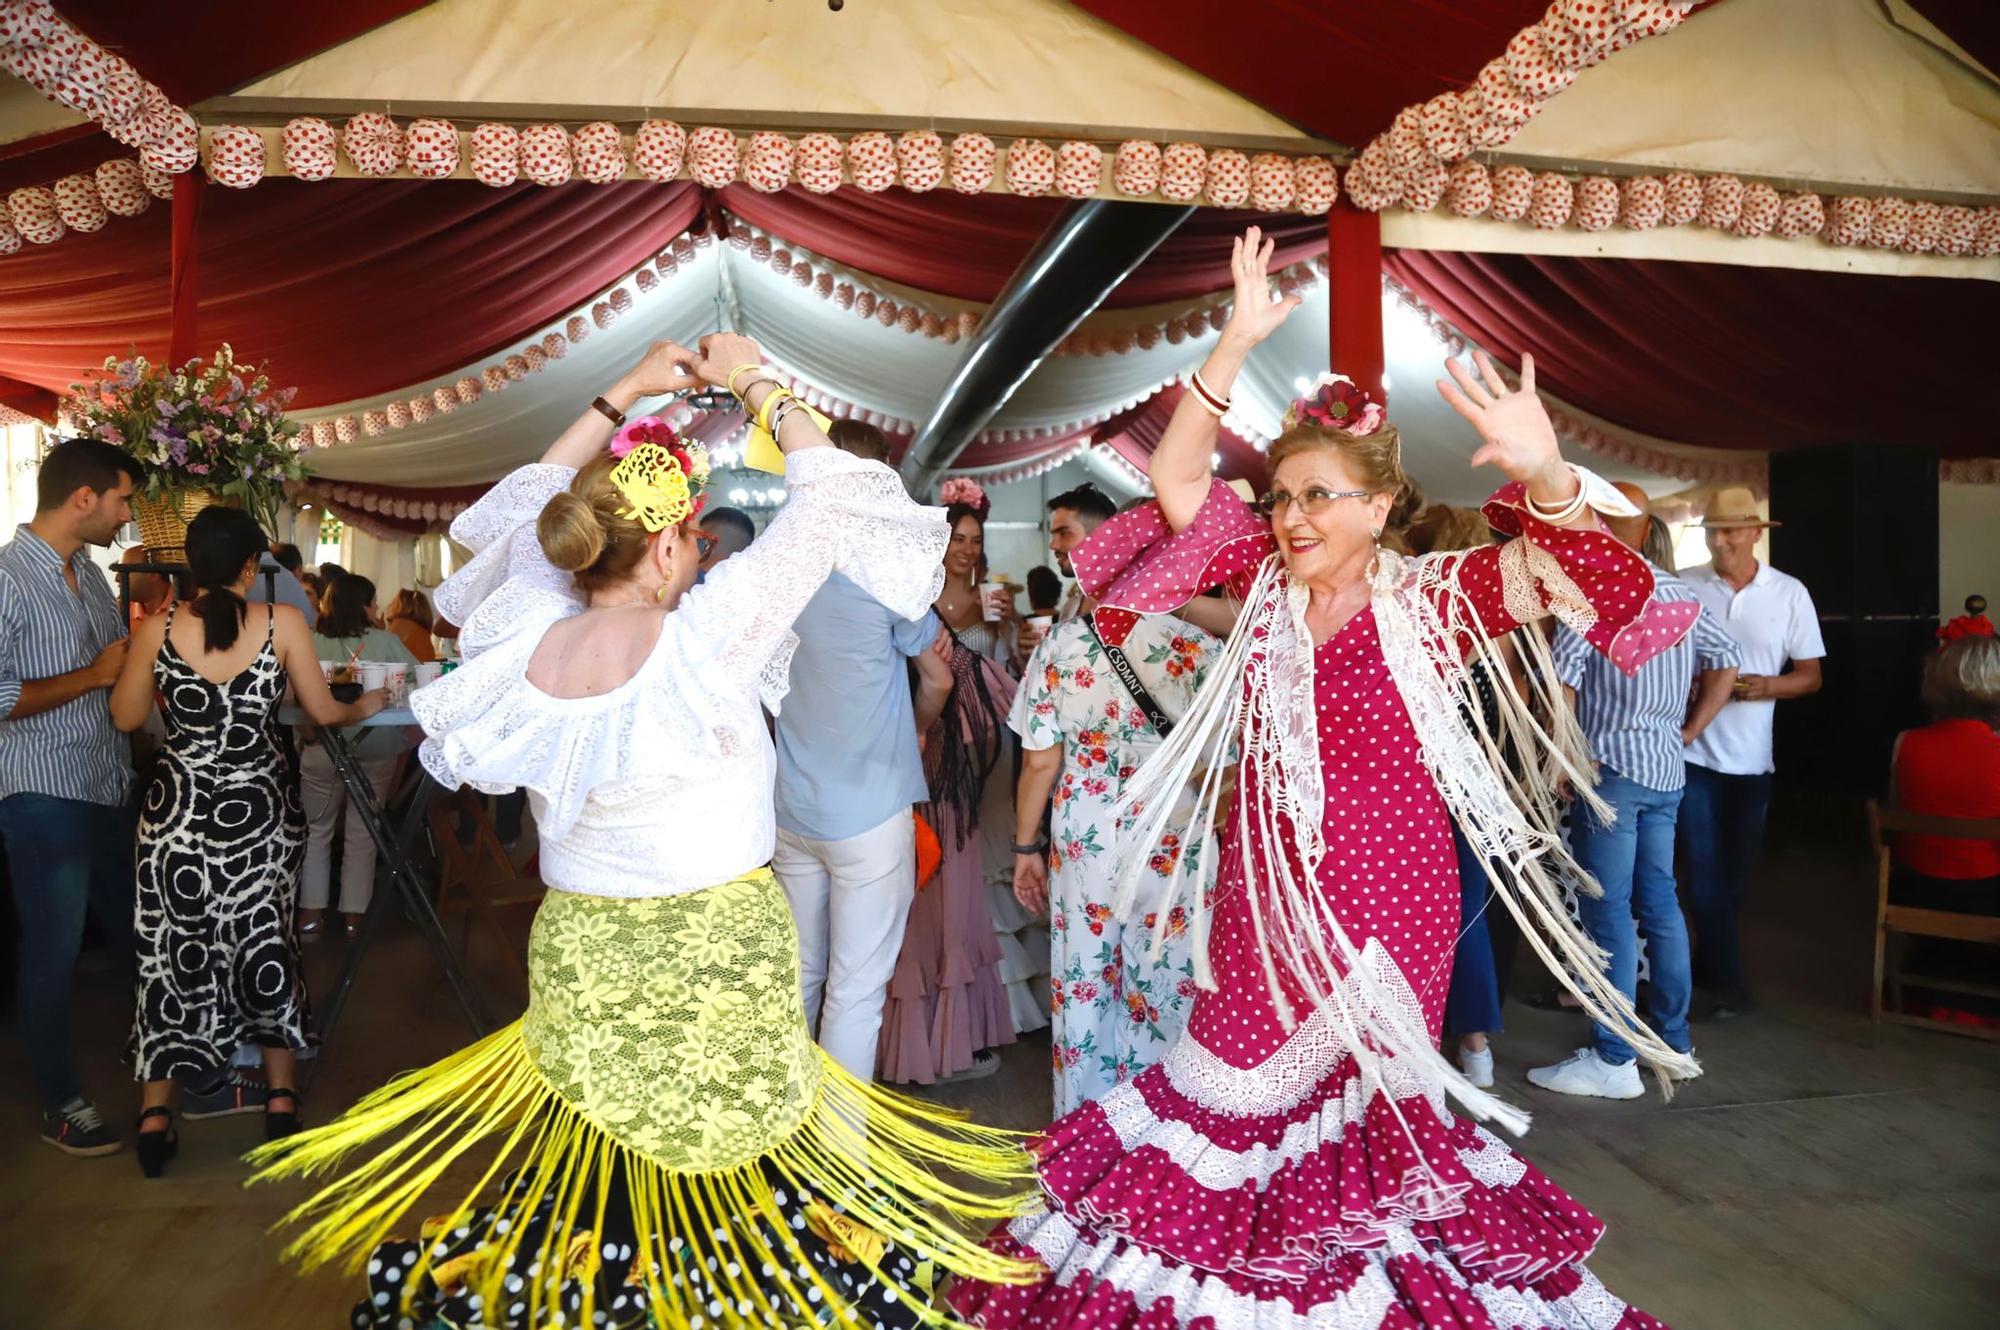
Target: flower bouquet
[(212, 431)]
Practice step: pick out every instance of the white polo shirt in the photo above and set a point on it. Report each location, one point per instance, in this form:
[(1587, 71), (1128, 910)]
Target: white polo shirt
[(1773, 621)]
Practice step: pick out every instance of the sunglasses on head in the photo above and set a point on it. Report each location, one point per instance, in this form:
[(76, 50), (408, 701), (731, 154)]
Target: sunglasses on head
[(1312, 500)]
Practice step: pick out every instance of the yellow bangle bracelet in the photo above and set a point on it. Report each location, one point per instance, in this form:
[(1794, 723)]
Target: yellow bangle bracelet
[(771, 400), (730, 382)]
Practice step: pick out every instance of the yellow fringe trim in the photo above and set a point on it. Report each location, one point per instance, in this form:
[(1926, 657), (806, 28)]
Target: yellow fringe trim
[(880, 1155)]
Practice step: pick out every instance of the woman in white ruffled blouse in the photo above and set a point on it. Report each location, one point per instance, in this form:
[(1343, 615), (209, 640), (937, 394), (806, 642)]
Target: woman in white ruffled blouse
[(668, 1119)]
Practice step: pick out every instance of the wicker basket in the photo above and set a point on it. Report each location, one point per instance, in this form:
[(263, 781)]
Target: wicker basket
[(163, 522)]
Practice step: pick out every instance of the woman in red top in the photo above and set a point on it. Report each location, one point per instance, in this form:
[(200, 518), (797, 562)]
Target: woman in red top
[(1951, 768)]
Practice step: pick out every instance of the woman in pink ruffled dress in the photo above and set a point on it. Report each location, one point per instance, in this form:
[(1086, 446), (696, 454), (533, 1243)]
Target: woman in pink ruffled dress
[(1292, 1162)]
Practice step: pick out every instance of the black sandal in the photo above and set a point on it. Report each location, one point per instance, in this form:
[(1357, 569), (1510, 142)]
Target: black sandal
[(157, 1147), (278, 1125)]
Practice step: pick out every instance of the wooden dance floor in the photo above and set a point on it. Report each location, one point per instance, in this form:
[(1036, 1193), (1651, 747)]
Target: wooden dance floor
[(1824, 1175)]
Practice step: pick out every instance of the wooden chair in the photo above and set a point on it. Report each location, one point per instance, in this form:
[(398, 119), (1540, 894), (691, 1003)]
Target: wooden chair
[(475, 877), (1884, 824)]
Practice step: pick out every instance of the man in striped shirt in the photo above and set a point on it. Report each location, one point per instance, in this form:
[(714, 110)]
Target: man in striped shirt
[(65, 770), (1638, 727)]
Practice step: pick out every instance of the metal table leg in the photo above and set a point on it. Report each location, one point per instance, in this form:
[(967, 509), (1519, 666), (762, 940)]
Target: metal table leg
[(395, 877)]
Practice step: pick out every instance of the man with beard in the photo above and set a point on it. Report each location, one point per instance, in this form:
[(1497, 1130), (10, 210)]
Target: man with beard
[(65, 770)]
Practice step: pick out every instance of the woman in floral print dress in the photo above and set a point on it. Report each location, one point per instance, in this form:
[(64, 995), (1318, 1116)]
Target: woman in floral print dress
[(1118, 1002)]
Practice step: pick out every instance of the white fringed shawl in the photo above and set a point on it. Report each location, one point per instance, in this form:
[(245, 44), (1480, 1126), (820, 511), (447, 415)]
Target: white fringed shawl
[(1259, 695)]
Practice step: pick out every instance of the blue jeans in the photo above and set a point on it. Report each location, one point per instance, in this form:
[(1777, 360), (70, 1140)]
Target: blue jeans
[(64, 856), (1633, 859), (1472, 1004), (1721, 839)]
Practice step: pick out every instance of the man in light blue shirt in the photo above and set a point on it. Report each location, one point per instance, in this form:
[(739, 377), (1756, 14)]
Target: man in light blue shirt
[(849, 772), (1638, 726)]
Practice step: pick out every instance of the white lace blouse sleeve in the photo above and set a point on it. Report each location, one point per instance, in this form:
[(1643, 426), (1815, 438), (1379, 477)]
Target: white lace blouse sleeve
[(509, 587), (841, 514)]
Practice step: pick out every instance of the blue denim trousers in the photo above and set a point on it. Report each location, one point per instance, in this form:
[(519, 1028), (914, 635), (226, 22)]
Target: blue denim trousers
[(65, 856), (1472, 1003), (1721, 840), (1633, 858)]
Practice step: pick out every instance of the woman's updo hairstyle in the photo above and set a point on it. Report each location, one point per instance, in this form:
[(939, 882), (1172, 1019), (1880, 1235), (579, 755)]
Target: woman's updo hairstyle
[(221, 543), (1375, 459), (583, 533)]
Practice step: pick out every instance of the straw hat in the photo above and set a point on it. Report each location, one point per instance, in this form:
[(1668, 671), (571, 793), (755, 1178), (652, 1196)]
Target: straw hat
[(1734, 507)]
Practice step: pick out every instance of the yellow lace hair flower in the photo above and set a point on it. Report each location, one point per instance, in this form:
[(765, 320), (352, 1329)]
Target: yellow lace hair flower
[(655, 488)]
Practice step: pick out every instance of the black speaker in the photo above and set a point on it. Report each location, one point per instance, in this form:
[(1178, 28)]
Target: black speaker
[(1861, 531)]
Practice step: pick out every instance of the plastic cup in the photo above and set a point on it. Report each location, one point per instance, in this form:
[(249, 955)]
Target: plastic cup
[(373, 674), (397, 681), (329, 668), (429, 672), (989, 594)]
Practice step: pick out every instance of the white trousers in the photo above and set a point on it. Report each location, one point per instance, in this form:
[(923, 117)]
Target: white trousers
[(324, 796), (850, 899)]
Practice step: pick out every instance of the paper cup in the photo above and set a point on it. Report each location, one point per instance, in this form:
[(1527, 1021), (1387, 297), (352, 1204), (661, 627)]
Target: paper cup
[(373, 675), (988, 591), (429, 672), (397, 681)]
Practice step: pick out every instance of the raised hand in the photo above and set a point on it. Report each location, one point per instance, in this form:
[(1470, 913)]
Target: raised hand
[(1254, 316), (664, 369), (722, 352), (1515, 432)]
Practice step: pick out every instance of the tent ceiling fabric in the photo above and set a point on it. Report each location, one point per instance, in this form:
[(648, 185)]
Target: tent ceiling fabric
[(191, 51), (1034, 64), (967, 248), (896, 375), (343, 288), (1730, 357), (1856, 102), (1341, 69)]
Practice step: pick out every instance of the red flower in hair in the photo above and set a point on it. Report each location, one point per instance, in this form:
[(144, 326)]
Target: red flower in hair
[(1966, 625), (1337, 402)]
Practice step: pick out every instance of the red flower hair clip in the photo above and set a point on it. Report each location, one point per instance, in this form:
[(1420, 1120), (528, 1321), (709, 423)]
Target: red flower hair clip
[(1337, 402)]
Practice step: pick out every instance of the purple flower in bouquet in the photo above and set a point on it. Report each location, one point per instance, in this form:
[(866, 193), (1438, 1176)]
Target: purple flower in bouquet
[(127, 376), (109, 432), (198, 468)]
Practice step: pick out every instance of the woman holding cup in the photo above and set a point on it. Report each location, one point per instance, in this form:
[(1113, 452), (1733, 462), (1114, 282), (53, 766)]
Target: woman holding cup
[(352, 649)]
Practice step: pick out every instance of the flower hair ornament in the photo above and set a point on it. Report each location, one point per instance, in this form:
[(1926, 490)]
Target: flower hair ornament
[(662, 476), (1337, 402), (965, 490)]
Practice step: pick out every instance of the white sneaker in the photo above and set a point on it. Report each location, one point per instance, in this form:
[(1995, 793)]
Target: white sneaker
[(1584, 1073), (1478, 1067)]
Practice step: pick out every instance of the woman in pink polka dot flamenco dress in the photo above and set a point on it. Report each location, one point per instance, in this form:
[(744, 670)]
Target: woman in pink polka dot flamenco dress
[(1291, 1164)]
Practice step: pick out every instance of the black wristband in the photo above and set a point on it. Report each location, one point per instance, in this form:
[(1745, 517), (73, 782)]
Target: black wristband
[(1040, 847), (611, 413)]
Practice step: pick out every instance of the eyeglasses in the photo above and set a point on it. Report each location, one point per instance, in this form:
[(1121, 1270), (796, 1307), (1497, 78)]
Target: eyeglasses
[(1312, 500), (704, 545)]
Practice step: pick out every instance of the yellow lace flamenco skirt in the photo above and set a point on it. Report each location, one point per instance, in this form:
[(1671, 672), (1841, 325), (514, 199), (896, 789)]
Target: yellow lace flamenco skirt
[(662, 1086)]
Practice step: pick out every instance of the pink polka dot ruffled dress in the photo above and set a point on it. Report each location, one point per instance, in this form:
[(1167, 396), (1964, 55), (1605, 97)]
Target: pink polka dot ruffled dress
[(1253, 1180)]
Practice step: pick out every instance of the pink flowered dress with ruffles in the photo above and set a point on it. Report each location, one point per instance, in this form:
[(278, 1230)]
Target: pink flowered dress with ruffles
[(1252, 1178)]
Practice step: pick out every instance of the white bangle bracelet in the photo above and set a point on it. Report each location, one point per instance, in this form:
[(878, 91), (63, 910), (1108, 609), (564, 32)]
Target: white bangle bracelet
[(1567, 511)]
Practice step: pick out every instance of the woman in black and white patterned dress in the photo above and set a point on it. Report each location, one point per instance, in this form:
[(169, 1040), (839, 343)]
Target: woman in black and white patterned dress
[(221, 833)]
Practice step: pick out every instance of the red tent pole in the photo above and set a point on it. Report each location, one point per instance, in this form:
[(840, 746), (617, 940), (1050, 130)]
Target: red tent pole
[(1354, 277), (182, 341)]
